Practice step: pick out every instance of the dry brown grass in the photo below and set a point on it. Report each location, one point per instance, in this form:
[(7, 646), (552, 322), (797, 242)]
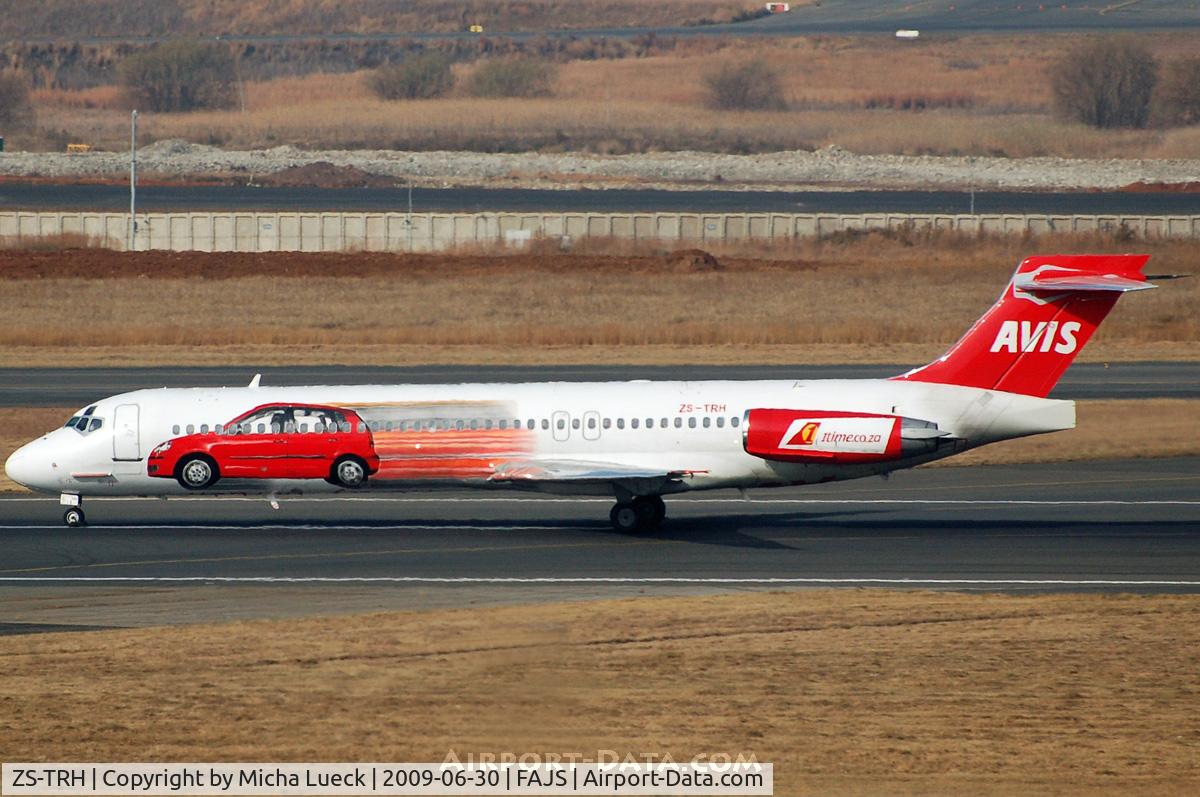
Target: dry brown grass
[(873, 290), (846, 692), (1000, 105)]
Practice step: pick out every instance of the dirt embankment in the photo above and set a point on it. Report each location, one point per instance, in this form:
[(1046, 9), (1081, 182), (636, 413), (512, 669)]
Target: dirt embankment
[(103, 264)]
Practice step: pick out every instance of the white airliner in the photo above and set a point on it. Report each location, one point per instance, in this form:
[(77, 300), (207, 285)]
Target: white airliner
[(635, 441)]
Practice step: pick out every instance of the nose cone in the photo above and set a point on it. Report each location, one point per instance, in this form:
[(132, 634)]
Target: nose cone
[(23, 467)]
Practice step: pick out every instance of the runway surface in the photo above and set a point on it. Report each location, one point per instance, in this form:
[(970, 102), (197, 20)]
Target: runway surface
[(50, 387), (152, 198), (1112, 526)]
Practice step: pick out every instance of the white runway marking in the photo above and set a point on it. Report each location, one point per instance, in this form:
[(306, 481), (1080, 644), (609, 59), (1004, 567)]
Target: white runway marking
[(1032, 582)]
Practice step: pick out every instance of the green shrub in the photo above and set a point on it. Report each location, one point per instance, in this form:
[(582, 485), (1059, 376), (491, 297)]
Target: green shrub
[(417, 77), (1177, 98), (513, 77), (180, 76), (1105, 83), (752, 85), (15, 109)]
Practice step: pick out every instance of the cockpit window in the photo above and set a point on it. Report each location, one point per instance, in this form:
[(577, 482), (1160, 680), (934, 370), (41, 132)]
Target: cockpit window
[(85, 422)]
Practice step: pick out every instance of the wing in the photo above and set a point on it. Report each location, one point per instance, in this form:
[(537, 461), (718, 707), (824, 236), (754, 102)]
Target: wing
[(578, 472)]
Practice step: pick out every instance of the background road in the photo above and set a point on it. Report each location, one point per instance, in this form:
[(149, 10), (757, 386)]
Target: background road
[(70, 387), (1115, 526), (151, 198), (844, 17)]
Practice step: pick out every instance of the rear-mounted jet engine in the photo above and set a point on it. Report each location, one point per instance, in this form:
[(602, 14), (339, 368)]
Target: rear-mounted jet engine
[(829, 436)]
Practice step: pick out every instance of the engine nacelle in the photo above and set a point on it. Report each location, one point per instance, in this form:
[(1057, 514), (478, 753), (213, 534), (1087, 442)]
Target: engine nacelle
[(825, 436)]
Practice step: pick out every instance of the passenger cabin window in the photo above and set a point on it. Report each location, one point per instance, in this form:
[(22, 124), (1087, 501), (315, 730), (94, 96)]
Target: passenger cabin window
[(191, 428), (562, 424), (720, 421), (691, 423), (734, 421), (620, 423), (175, 429), (574, 423), (219, 428), (608, 423), (707, 422), (591, 423), (204, 428), (633, 423), (678, 423)]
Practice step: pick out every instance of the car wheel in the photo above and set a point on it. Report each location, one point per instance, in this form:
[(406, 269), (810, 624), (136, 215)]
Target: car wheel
[(349, 472), (195, 472)]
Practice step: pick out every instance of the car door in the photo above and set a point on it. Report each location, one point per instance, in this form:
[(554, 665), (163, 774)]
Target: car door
[(315, 443), (256, 448)]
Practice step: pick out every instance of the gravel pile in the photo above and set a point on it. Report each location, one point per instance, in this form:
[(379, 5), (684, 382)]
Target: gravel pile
[(828, 167)]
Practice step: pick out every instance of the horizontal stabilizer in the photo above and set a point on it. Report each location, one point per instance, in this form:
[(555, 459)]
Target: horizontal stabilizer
[(1058, 281)]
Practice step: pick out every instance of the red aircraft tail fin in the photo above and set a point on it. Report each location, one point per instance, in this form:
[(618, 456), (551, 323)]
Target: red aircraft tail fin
[(1029, 337)]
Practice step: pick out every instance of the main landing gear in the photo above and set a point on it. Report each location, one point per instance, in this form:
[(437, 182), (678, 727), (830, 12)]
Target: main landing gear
[(643, 513), (73, 517)]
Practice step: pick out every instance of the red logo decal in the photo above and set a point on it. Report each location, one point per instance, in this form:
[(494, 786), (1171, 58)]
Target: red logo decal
[(805, 436)]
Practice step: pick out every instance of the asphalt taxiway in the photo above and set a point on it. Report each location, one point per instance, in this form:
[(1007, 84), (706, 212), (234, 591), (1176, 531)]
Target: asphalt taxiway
[(1123, 526)]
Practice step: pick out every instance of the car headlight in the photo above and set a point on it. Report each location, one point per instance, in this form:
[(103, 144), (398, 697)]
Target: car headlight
[(162, 449)]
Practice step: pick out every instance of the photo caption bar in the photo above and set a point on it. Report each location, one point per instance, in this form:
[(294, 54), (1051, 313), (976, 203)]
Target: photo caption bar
[(163, 780)]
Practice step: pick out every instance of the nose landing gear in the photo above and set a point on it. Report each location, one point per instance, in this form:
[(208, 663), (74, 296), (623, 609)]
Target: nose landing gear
[(73, 517), (643, 513)]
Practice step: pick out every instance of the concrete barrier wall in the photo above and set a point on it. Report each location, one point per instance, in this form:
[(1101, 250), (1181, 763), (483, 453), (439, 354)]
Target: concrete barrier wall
[(426, 232)]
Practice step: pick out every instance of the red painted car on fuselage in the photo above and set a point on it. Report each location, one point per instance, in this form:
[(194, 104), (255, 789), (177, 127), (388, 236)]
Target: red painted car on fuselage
[(272, 441)]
